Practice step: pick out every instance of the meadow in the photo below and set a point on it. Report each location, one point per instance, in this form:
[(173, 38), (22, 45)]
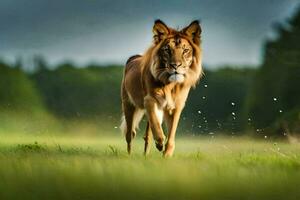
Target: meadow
[(59, 137), (56, 166)]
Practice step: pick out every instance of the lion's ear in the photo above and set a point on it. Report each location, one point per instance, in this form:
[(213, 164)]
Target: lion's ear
[(160, 31), (194, 31)]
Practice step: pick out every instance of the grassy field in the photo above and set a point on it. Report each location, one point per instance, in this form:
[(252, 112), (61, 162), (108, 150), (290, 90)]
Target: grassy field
[(78, 167)]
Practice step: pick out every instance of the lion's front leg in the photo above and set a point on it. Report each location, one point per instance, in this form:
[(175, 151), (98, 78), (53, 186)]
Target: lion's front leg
[(172, 119), (172, 124), (170, 104), (155, 117)]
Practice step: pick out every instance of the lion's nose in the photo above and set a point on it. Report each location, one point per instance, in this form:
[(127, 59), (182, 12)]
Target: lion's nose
[(175, 65)]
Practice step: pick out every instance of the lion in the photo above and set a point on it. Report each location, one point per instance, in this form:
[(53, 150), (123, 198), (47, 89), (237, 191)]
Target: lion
[(158, 83)]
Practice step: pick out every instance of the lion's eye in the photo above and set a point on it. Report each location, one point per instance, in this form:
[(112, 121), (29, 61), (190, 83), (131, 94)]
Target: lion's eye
[(185, 51)]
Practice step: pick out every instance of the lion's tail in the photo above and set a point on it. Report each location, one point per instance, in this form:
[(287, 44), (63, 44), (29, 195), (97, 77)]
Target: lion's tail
[(123, 125), (137, 117)]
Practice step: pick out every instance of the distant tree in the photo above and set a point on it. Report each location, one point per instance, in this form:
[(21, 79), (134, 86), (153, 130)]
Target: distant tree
[(18, 63), (39, 63), (276, 89), (216, 103), (69, 91), (17, 91)]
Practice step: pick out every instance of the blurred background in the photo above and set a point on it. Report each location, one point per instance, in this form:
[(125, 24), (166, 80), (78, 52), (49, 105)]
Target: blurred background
[(61, 64)]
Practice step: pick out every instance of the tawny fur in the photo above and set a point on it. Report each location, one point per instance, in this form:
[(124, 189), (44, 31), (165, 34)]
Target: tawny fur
[(158, 82)]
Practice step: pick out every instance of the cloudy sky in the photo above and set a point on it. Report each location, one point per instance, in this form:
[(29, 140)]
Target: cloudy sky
[(108, 31)]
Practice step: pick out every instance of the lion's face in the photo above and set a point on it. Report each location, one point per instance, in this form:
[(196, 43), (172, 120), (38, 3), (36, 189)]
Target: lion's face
[(175, 52), (175, 57)]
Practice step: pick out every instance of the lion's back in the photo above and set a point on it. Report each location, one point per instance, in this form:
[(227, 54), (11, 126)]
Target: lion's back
[(132, 81), (131, 61)]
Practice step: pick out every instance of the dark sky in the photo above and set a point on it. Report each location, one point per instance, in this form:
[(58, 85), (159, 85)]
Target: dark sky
[(107, 31)]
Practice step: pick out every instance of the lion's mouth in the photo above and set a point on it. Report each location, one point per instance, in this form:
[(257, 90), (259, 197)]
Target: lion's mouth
[(176, 77)]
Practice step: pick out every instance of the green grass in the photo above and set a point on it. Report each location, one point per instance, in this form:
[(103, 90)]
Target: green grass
[(89, 167)]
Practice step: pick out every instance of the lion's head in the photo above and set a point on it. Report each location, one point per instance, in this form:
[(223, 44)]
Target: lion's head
[(176, 56)]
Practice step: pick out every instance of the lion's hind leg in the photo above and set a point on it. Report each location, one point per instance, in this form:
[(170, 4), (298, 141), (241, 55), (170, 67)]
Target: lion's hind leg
[(131, 119), (147, 138)]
